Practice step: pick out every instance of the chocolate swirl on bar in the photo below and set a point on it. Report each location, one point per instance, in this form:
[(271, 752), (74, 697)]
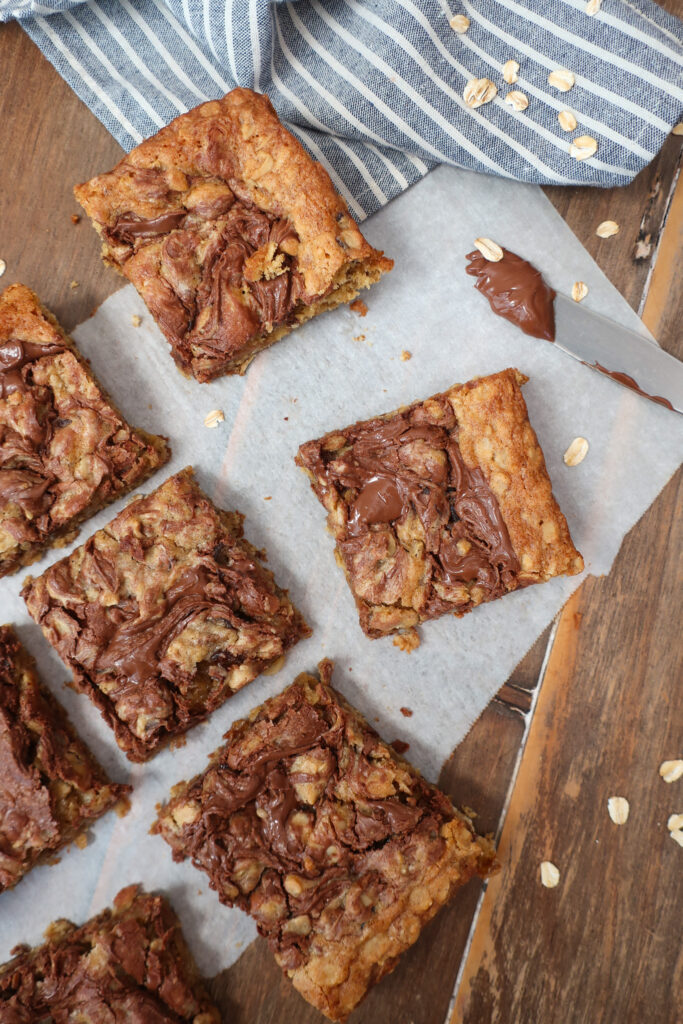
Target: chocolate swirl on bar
[(392, 470), (228, 269)]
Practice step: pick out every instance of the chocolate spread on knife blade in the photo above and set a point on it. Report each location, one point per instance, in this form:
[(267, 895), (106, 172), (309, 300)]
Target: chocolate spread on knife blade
[(403, 467), (630, 382), (516, 291)]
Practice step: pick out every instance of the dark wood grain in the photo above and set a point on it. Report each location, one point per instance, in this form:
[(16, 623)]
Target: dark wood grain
[(606, 710), (604, 946), (49, 142)]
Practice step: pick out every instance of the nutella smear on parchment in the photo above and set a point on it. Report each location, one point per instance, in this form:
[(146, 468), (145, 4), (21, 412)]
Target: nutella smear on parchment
[(516, 291)]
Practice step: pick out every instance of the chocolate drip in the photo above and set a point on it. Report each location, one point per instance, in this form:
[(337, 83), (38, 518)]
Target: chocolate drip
[(516, 291), (631, 383)]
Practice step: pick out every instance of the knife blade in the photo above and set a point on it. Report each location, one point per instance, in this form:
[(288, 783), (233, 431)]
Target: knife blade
[(619, 353)]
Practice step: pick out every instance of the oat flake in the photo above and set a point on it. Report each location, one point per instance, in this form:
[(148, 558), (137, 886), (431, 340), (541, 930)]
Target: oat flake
[(510, 71), (576, 452), (489, 250), (618, 808), (550, 876), (460, 23), (671, 771), (607, 229)]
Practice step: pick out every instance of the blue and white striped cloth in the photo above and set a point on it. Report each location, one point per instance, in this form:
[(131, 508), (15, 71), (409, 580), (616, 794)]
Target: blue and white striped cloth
[(375, 89)]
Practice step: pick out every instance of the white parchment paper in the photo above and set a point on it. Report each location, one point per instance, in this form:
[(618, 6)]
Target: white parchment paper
[(329, 373)]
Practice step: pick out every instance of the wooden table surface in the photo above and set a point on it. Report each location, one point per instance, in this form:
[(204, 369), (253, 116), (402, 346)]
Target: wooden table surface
[(591, 711)]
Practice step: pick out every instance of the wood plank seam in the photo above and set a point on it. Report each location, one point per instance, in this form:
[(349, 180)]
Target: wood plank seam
[(654, 259)]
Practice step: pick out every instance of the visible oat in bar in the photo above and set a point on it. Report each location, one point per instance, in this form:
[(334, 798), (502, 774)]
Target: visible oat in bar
[(128, 965), (230, 231), (163, 614), (441, 505), (65, 450), (332, 842), (51, 787)]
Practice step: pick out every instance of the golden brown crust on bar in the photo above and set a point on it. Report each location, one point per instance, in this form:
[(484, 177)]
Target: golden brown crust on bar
[(250, 224), (440, 506), (65, 450), (328, 838), (128, 965), (163, 614), (496, 435), (51, 787)]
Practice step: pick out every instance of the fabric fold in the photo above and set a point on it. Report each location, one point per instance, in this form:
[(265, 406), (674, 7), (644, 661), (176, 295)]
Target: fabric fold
[(375, 91)]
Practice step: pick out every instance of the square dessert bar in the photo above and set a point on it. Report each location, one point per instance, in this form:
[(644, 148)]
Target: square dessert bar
[(163, 614), (334, 844), (230, 231), (128, 965), (65, 450), (51, 787), (440, 506)]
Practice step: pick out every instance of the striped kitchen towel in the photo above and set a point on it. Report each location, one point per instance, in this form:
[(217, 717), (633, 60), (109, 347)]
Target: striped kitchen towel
[(380, 91)]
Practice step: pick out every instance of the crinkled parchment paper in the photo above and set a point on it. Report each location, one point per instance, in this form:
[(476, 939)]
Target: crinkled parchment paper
[(331, 372)]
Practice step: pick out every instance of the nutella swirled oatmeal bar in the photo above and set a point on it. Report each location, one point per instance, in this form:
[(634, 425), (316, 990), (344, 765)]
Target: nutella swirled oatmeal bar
[(65, 450), (440, 506), (332, 842), (51, 787), (230, 231), (128, 965), (163, 614)]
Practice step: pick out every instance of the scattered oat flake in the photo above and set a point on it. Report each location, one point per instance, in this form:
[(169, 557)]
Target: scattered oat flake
[(671, 771), (517, 100), (576, 452), (677, 129), (677, 836), (74, 284), (607, 229), (592, 7), (583, 147), (675, 822), (406, 355), (359, 337), (136, 320), (618, 808), (567, 120), (562, 79), (550, 876), (479, 91), (491, 251), (358, 306), (579, 291), (460, 23), (510, 71), (213, 418), (122, 806), (408, 641), (3, 267), (81, 841), (75, 219)]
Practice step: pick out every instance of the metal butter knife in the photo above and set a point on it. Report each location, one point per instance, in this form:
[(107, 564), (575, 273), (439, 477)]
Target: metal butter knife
[(618, 353)]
